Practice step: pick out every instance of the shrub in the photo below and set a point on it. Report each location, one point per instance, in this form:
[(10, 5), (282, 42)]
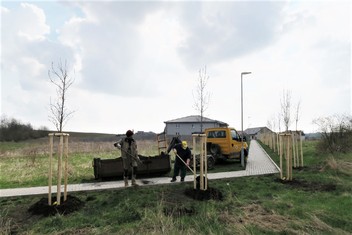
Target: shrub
[(336, 132)]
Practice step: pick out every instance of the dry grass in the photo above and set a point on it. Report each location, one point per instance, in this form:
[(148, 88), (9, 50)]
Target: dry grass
[(338, 165), (255, 214), (145, 147)]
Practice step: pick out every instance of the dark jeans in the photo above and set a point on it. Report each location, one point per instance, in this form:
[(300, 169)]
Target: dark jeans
[(177, 169)]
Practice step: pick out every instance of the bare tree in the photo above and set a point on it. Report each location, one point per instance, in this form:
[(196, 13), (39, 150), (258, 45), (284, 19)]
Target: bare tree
[(297, 112), (286, 109), (336, 132), (279, 121), (201, 96), (61, 79)]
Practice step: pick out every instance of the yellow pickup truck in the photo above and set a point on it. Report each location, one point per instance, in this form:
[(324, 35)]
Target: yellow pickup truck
[(225, 143)]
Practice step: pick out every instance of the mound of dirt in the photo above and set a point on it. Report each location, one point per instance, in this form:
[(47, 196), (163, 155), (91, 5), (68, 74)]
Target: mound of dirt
[(41, 207), (203, 195), (308, 186)]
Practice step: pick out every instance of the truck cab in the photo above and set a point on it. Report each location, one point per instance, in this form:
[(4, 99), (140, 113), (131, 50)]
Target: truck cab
[(225, 143)]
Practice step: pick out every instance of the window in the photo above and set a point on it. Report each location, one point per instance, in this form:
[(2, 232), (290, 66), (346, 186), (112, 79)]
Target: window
[(234, 135), (211, 134), (216, 134), (221, 134), (177, 125)]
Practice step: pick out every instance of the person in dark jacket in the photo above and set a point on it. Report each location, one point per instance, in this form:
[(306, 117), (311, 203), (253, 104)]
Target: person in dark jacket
[(181, 151), (129, 154)]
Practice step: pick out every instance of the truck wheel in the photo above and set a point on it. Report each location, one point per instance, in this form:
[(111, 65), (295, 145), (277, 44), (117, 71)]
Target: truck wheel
[(215, 149), (211, 162)]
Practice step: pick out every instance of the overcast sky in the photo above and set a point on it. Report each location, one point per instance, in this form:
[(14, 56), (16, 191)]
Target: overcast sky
[(136, 64)]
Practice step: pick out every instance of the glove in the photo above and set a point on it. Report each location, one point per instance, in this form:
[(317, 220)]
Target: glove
[(117, 145)]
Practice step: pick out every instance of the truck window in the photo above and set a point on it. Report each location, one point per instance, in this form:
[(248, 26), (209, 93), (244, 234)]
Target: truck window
[(234, 135), (221, 134), (211, 134)]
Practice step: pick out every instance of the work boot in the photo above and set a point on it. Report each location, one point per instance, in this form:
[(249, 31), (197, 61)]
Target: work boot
[(173, 179), (134, 183), (126, 181)]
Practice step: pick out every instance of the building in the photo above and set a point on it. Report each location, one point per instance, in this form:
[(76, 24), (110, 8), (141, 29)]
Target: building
[(186, 126), (256, 132)]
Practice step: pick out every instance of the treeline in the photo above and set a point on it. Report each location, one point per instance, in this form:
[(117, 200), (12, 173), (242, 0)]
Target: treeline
[(13, 130)]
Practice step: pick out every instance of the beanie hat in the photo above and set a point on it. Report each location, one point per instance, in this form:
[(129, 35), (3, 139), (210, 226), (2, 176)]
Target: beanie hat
[(129, 133)]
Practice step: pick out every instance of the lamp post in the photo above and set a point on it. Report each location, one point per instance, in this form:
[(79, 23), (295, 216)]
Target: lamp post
[(242, 151)]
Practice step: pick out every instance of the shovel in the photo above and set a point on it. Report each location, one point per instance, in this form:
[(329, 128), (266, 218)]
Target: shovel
[(134, 157), (198, 177), (185, 163)]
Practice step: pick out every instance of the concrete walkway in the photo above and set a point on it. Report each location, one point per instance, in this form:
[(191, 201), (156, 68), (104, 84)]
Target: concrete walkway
[(259, 163)]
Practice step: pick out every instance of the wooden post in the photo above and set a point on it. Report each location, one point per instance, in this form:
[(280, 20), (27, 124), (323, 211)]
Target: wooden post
[(277, 143), (201, 170), (294, 150), (300, 139), (281, 152), (206, 162), (59, 171), (194, 164), (287, 157), (62, 149), (50, 176), (203, 182), (66, 167)]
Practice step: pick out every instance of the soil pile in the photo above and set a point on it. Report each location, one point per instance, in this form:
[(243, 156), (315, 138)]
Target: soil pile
[(203, 195), (72, 204)]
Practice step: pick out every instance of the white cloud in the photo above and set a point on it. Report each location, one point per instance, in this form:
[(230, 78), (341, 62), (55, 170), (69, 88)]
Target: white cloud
[(136, 63)]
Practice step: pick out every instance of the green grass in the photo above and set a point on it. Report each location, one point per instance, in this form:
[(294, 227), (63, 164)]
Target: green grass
[(250, 205)]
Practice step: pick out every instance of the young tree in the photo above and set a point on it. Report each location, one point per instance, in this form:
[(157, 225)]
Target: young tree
[(61, 79), (201, 96), (297, 112), (286, 109)]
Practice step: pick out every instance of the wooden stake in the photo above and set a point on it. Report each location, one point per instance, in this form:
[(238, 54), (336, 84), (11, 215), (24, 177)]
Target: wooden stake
[(59, 171), (294, 150), (206, 162), (300, 139), (281, 170), (194, 164), (50, 176), (201, 170), (66, 167), (287, 156)]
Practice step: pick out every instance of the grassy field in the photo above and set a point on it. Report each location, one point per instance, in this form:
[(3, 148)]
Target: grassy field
[(32, 157), (319, 202)]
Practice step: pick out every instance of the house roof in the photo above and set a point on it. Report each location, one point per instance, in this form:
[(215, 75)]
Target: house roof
[(253, 131), (194, 118)]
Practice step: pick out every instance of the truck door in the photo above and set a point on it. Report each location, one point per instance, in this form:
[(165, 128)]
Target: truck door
[(235, 142)]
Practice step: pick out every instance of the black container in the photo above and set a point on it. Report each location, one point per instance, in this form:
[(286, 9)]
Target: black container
[(154, 165)]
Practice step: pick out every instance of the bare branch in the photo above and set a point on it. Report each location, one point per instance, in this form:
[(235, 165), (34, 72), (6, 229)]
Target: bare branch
[(61, 79), (286, 109), (201, 96)]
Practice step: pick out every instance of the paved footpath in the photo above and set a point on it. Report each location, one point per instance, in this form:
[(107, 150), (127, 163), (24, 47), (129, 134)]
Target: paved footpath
[(259, 163)]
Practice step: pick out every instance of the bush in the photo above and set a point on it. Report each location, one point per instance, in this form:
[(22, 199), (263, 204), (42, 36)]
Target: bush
[(336, 133), (14, 130)]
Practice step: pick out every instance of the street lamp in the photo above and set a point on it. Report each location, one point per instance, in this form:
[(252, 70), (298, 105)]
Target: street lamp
[(242, 153)]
